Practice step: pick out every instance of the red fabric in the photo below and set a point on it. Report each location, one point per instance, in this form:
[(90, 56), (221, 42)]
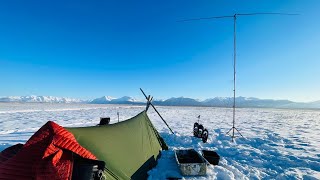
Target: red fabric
[(46, 155), (10, 152)]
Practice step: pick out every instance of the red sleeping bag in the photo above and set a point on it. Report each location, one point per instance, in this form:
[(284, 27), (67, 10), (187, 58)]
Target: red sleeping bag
[(46, 155)]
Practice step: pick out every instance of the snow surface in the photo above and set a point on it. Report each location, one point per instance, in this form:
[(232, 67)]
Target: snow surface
[(278, 144)]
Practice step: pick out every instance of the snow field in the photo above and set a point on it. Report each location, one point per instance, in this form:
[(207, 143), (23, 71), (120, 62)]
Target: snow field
[(278, 144)]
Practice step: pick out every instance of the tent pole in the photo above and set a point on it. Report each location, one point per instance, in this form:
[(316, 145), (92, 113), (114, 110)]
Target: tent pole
[(156, 110)]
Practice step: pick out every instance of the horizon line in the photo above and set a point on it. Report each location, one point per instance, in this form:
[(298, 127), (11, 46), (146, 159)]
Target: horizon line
[(142, 99)]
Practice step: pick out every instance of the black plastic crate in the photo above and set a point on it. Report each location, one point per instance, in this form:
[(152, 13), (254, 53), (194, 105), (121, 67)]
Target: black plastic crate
[(104, 121), (211, 156), (87, 169)]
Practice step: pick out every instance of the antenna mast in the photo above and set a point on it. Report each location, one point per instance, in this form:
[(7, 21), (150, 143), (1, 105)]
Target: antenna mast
[(234, 79), (234, 129)]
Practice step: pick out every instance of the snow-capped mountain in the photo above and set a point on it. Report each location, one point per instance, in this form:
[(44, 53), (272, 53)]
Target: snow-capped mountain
[(179, 101), (102, 100), (246, 102), (218, 101), (39, 99), (125, 99), (111, 100)]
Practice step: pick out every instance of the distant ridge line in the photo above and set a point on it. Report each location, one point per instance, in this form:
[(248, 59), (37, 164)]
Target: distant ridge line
[(179, 101)]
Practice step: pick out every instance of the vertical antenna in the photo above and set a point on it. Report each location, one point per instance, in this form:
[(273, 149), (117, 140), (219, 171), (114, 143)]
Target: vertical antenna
[(234, 73), (234, 80), (234, 57)]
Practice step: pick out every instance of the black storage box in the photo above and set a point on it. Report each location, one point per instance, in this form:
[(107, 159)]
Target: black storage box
[(104, 121), (87, 169), (211, 156)]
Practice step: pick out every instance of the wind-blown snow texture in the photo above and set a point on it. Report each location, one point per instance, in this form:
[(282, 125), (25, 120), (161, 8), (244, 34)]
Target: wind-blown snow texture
[(278, 144)]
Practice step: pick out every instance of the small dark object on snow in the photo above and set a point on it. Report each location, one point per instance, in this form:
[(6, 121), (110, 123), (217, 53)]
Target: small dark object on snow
[(211, 156), (205, 135), (104, 121), (87, 169), (195, 129), (200, 132)]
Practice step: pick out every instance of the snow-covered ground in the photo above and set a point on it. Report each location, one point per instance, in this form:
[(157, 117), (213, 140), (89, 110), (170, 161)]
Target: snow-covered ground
[(278, 144)]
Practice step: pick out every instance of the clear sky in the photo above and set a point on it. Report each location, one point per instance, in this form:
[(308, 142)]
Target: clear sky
[(87, 49)]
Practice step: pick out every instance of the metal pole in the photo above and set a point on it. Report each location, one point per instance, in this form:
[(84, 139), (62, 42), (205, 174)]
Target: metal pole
[(156, 111), (234, 73), (162, 118)]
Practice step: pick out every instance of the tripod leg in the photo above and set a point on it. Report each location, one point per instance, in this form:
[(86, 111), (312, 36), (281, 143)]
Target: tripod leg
[(229, 130), (238, 132)]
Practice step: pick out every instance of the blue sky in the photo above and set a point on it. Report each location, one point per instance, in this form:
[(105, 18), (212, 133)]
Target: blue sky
[(86, 49)]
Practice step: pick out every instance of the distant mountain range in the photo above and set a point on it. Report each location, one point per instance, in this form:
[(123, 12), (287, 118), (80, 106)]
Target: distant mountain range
[(111, 100), (180, 101), (40, 99)]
